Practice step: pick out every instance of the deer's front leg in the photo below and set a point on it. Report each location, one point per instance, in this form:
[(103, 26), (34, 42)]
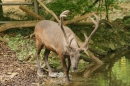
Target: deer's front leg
[(69, 64), (38, 50), (65, 68)]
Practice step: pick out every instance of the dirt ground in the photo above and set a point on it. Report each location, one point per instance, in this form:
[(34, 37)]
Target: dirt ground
[(14, 72)]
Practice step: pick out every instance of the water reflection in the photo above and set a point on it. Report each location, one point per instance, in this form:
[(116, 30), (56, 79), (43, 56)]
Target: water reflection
[(115, 72), (121, 70), (90, 69)]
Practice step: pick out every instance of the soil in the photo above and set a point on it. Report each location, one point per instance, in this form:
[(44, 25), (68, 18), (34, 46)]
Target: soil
[(16, 73)]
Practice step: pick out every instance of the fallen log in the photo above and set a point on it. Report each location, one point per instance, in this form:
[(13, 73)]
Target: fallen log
[(17, 24), (82, 23), (78, 19), (31, 13), (22, 24)]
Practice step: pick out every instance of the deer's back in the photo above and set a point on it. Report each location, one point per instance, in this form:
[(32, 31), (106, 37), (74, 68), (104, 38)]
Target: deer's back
[(51, 35)]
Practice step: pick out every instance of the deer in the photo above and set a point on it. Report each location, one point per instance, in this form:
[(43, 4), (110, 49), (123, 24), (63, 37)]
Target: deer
[(60, 39)]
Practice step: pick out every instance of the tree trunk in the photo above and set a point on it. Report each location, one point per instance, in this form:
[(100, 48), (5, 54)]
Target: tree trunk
[(1, 11)]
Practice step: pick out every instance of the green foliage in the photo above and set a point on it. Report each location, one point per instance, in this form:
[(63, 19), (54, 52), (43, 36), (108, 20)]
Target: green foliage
[(105, 39), (23, 47), (127, 21), (76, 7), (23, 32)]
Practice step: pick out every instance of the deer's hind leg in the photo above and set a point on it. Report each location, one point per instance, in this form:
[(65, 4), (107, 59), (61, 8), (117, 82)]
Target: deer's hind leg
[(39, 46), (51, 73)]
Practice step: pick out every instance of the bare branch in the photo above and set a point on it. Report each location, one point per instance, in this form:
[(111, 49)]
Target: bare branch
[(51, 12), (95, 59)]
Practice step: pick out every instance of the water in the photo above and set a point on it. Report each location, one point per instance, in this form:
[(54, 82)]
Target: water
[(115, 72)]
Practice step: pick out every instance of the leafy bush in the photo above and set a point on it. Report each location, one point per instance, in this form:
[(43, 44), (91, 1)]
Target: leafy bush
[(23, 47)]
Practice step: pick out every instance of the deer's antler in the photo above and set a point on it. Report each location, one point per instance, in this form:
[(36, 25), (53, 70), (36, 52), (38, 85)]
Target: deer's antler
[(96, 22), (62, 15)]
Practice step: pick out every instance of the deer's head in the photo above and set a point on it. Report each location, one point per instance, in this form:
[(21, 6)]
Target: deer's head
[(75, 53)]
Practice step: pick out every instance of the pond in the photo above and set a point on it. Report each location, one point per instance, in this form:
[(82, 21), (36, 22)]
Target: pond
[(114, 72)]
